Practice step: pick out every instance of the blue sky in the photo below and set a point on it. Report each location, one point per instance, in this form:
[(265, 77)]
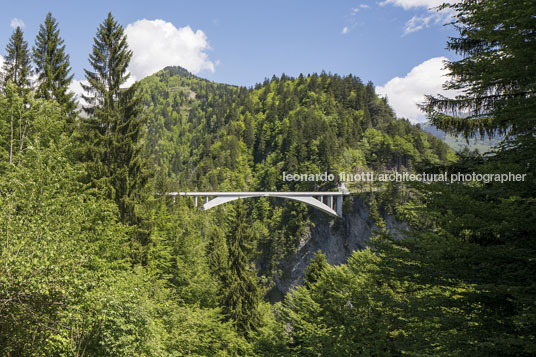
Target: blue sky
[(397, 44)]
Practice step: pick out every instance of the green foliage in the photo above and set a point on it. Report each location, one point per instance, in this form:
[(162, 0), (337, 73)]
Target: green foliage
[(69, 282), (465, 297), (55, 238), (315, 268), (180, 252), (271, 339), (462, 281), (209, 135), (430, 295), (66, 282), (343, 313), (240, 295), (19, 112), (109, 59), (133, 314)]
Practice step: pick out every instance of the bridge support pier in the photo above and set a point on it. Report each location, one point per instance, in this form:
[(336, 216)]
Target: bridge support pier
[(338, 207)]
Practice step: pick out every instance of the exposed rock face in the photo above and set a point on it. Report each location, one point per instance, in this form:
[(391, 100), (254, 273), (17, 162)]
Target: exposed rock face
[(337, 238)]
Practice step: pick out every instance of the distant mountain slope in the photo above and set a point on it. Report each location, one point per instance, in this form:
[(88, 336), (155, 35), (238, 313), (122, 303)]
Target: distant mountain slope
[(209, 135), (458, 143)]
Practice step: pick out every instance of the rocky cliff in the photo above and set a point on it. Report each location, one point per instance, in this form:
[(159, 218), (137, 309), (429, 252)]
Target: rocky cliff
[(335, 237)]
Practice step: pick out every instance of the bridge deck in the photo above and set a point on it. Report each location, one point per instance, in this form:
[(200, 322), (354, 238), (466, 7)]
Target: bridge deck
[(332, 204), (266, 194)]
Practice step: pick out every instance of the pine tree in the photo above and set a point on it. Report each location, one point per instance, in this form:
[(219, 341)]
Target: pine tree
[(496, 74), (240, 295), (110, 58), (112, 132), (17, 68), (52, 65)]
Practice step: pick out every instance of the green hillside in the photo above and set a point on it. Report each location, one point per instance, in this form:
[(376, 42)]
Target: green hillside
[(206, 135)]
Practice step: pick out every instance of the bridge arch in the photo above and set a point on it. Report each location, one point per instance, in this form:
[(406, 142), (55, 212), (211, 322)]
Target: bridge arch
[(327, 202)]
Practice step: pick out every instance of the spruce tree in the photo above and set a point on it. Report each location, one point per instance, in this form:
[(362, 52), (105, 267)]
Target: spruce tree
[(240, 295), (112, 132), (496, 75), (52, 65), (16, 84), (17, 67), (315, 268), (489, 224)]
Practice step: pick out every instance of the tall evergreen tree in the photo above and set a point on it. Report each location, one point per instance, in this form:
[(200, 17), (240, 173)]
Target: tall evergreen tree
[(112, 132), (240, 295), (490, 224), (497, 71), (52, 65), (16, 84), (17, 66)]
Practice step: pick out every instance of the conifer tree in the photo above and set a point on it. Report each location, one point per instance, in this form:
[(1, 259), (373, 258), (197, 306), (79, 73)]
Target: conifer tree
[(16, 84), (112, 132), (496, 75), (17, 68), (241, 296), (313, 271), (52, 65)]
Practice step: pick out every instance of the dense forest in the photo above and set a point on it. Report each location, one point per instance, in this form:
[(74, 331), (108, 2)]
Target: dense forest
[(208, 135), (96, 259)]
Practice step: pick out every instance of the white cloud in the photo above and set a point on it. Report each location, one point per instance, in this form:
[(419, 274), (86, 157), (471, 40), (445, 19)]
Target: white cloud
[(15, 22), (76, 88), (425, 18), (409, 4), (417, 23), (158, 43), (403, 94), (352, 19)]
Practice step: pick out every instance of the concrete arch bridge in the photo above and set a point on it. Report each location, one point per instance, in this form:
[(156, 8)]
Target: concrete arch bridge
[(327, 202)]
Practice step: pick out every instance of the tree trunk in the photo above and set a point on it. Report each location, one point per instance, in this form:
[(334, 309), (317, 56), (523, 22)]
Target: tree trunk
[(11, 140)]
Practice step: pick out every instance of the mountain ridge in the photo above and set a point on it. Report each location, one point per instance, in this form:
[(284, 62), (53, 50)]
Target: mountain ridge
[(256, 121)]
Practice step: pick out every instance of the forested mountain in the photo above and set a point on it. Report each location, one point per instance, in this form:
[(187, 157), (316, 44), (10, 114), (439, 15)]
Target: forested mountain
[(207, 135)]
